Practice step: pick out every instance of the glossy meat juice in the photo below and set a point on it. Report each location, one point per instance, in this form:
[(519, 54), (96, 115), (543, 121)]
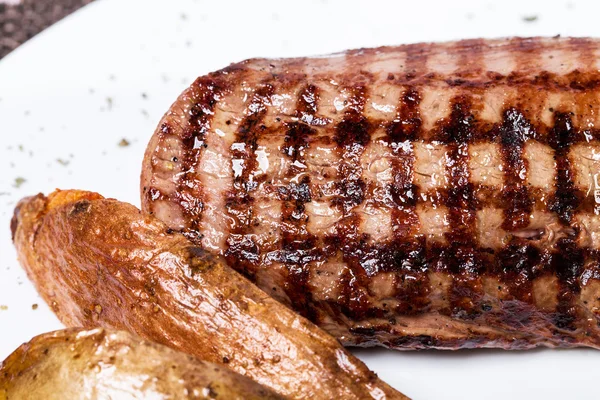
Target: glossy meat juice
[(427, 195)]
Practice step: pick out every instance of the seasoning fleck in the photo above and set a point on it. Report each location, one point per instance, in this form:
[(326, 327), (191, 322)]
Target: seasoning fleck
[(3, 307), (19, 181), (530, 18), (144, 95), (62, 162), (124, 143), (34, 306), (109, 103)]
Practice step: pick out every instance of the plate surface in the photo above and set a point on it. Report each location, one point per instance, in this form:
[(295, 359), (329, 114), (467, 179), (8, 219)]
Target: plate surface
[(70, 96)]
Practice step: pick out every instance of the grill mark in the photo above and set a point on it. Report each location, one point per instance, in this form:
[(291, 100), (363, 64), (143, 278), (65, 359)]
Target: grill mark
[(566, 198), (189, 193), (406, 250), (526, 53), (298, 246), (352, 135), (416, 60), (519, 261), (307, 105), (575, 81), (488, 132), (460, 257), (242, 253), (456, 133), (567, 262), (492, 197), (514, 132), (584, 48), (518, 264), (470, 56), (401, 133)]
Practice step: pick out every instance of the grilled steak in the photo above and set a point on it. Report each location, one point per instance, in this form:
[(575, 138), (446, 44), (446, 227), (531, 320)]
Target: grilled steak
[(421, 196)]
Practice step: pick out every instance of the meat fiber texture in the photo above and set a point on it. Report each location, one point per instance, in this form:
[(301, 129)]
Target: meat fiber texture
[(420, 196)]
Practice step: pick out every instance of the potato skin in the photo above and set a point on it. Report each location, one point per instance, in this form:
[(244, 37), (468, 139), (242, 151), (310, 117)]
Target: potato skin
[(101, 262), (104, 364)]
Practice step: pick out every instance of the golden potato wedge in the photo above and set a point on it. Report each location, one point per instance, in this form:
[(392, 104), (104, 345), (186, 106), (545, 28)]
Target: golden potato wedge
[(105, 364), (101, 262)]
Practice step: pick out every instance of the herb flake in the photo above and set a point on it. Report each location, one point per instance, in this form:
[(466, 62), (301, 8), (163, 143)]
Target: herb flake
[(19, 180), (530, 18)]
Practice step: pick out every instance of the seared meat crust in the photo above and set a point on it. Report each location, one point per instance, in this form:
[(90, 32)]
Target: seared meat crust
[(428, 195)]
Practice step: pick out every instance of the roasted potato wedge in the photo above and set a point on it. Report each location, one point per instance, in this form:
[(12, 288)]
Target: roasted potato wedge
[(105, 364), (101, 262)]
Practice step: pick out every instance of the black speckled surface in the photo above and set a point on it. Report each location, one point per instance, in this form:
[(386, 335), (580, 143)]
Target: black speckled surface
[(21, 20)]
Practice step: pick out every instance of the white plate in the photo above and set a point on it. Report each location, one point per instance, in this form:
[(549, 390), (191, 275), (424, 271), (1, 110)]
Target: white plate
[(112, 69)]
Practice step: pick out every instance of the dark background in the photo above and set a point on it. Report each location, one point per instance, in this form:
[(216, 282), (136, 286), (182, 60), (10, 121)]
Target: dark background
[(20, 20)]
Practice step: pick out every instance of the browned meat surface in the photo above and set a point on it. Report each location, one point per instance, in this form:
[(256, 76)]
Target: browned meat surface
[(428, 195), (101, 262)]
